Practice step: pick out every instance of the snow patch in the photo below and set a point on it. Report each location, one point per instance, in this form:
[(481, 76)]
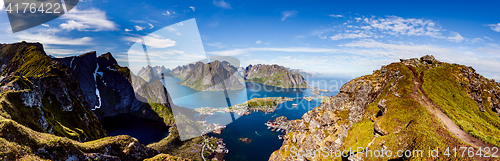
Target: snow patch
[(71, 63), (111, 69), (96, 89)]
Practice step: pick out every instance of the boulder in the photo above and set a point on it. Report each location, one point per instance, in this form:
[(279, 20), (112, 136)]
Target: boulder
[(429, 59), (382, 106)]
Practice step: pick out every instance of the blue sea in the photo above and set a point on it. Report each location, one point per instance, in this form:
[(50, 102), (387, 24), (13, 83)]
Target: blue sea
[(251, 126)]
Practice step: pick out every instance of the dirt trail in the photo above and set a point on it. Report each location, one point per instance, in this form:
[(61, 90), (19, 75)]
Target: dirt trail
[(422, 98)]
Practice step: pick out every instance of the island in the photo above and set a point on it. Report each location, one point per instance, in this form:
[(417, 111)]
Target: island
[(245, 140), (279, 124), (265, 105)]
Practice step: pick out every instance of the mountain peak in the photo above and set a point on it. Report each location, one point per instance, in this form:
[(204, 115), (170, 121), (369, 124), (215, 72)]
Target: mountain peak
[(108, 56)]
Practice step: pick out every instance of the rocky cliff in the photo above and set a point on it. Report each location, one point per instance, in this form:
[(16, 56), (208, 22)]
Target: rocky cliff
[(44, 90), (107, 86), (274, 75), (49, 107), (211, 76), (395, 109)]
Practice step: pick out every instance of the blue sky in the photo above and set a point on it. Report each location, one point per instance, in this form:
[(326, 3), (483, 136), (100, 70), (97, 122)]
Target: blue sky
[(343, 38)]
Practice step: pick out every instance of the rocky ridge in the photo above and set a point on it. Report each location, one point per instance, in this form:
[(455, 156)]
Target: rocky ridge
[(211, 76), (384, 111), (201, 76), (274, 75)]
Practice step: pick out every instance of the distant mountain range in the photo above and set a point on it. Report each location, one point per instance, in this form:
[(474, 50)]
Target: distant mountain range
[(211, 76), (151, 74), (274, 75), (201, 76)]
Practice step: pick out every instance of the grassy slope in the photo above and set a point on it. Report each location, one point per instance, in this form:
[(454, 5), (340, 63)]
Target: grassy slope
[(410, 125), (19, 141), (189, 149), (442, 86)]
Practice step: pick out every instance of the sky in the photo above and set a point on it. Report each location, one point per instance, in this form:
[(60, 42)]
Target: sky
[(341, 38)]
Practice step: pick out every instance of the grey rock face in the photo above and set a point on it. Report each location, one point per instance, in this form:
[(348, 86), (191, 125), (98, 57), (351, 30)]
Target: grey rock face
[(382, 106), (116, 93), (429, 59)]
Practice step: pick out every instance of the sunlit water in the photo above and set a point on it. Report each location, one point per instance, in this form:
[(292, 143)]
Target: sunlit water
[(251, 126)]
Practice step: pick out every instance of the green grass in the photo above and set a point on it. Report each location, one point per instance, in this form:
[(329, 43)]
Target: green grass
[(164, 112), (442, 86), (409, 125), (188, 149), (20, 142), (360, 134)]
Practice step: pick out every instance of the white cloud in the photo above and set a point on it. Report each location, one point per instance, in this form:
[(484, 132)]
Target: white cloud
[(286, 14), (222, 4), (72, 25), (1, 5), (193, 8), (476, 40), (151, 26), (258, 42), (350, 36), (166, 13), (395, 25), (218, 45), (495, 27), (336, 16), (485, 59), (53, 39), (154, 41), (235, 52), (58, 52), (138, 28), (87, 20), (128, 30), (456, 37), (391, 26), (46, 25)]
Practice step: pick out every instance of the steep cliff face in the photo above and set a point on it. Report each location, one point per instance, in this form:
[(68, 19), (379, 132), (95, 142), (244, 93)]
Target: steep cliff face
[(40, 93), (394, 109), (48, 106), (274, 75), (108, 86), (212, 76)]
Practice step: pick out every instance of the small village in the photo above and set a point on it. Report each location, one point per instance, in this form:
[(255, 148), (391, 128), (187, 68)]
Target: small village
[(279, 124), (216, 147)]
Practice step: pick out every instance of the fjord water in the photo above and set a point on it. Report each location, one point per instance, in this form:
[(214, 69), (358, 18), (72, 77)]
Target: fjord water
[(190, 98), (145, 130), (265, 141), (252, 126)]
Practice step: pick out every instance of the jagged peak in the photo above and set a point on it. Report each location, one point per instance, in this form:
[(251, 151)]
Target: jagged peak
[(108, 56), (90, 53)]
